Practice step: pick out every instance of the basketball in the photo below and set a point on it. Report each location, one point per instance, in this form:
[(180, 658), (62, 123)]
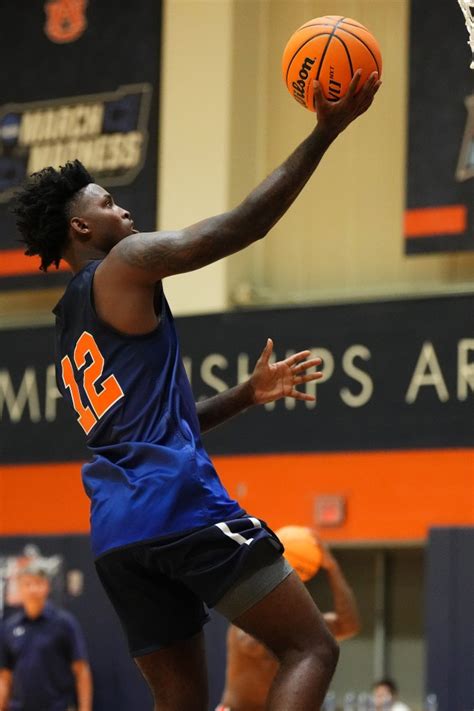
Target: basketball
[(329, 49), (302, 550)]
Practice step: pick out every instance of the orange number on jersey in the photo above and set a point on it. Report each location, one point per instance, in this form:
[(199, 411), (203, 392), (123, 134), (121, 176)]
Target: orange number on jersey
[(86, 417), (110, 391), (100, 400)]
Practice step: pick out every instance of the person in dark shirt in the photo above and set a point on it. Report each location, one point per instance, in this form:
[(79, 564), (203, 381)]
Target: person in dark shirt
[(43, 658)]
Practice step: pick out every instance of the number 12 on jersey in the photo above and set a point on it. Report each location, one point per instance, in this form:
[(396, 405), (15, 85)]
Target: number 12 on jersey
[(101, 395)]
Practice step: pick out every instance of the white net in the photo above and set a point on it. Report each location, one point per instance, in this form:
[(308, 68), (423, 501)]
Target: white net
[(467, 6)]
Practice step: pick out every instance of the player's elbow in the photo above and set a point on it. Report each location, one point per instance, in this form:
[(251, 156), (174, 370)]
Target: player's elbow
[(348, 630)]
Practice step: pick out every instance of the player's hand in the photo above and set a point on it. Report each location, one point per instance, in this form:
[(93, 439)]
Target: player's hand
[(335, 116), (272, 381)]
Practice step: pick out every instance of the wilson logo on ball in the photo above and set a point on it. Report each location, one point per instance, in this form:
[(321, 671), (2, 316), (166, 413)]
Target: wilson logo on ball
[(299, 85)]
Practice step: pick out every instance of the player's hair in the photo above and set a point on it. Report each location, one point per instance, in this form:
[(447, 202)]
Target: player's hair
[(36, 568), (42, 209), (389, 683)]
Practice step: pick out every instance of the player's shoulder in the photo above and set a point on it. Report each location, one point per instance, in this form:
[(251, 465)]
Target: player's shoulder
[(61, 616), (12, 621)]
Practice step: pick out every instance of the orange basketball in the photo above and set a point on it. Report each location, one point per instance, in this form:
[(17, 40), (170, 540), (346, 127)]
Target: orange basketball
[(330, 49), (302, 550)]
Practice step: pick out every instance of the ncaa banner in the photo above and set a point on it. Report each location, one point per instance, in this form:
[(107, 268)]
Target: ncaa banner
[(80, 80), (440, 166), (398, 375)]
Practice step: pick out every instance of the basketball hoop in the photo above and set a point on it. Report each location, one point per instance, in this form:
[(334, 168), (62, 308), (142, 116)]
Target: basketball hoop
[(467, 6)]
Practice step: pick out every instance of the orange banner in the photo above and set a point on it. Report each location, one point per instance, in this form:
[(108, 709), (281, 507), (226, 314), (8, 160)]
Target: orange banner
[(432, 221)]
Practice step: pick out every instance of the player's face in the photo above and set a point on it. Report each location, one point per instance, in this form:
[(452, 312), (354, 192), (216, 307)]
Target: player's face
[(381, 696), (34, 589), (107, 222)]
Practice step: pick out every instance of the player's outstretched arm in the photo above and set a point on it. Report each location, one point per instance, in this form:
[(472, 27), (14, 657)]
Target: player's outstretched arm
[(149, 257), (268, 382), (344, 621)]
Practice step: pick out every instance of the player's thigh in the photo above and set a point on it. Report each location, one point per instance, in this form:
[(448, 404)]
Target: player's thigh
[(177, 675), (288, 619)]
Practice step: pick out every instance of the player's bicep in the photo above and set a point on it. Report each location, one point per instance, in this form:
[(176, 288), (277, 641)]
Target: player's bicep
[(149, 257)]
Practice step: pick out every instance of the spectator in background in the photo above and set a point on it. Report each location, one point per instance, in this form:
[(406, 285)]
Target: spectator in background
[(384, 695), (43, 659)]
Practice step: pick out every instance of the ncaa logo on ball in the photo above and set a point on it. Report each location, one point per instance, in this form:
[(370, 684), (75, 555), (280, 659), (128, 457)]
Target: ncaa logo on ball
[(299, 86)]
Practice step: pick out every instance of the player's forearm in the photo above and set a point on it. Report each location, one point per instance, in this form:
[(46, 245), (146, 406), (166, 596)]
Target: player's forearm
[(345, 605), (216, 410), (265, 205), (5, 690), (84, 689)]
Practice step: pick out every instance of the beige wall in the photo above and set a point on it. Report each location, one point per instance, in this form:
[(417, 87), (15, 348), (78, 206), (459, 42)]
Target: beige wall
[(343, 237), (227, 121)]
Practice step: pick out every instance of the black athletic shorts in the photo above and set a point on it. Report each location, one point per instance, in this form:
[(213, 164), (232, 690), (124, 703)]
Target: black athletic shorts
[(160, 589)]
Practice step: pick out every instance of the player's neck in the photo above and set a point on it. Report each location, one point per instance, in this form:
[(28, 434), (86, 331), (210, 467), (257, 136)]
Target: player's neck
[(78, 259), (33, 609)]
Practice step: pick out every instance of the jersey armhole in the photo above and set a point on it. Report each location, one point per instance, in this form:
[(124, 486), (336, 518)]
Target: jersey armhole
[(121, 334)]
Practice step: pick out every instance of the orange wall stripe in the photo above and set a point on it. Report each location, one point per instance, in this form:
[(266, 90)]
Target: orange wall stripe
[(431, 221), (13, 262), (43, 499), (391, 496)]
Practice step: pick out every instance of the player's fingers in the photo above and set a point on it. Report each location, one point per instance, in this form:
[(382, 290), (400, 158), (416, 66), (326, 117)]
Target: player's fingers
[(368, 97), (267, 351), (312, 363), (297, 395), (369, 86), (307, 378), (293, 359), (353, 85), (318, 96)]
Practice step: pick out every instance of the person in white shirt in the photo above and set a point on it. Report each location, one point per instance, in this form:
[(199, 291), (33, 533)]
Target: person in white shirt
[(384, 696)]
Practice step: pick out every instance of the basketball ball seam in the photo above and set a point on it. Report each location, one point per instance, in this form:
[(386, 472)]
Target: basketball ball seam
[(352, 34), (349, 58), (318, 24), (326, 47), (319, 34), (360, 27)]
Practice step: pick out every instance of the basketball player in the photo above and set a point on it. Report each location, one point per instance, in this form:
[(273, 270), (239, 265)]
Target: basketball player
[(167, 537), (251, 668)]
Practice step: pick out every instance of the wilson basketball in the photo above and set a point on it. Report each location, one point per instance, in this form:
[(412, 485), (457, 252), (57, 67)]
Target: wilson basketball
[(329, 49), (302, 550)]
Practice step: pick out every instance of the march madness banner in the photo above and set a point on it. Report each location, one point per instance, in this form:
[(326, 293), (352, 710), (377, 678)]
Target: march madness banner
[(398, 375), (440, 161), (80, 79)]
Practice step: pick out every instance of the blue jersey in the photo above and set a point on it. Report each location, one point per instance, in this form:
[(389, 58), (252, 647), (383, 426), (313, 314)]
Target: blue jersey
[(149, 475)]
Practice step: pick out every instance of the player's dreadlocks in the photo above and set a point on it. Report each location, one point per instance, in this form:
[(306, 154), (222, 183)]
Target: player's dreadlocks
[(42, 209)]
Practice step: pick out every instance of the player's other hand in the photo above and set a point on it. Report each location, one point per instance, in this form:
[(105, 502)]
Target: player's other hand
[(272, 381), (335, 116)]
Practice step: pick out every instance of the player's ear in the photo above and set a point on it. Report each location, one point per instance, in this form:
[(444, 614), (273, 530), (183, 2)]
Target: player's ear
[(79, 227)]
